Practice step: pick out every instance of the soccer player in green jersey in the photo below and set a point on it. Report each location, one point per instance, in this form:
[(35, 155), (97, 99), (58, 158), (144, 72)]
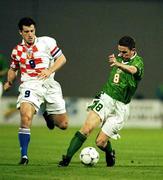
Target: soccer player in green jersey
[(110, 108)]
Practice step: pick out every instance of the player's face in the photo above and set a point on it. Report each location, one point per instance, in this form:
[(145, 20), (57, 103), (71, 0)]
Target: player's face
[(28, 34), (125, 52)]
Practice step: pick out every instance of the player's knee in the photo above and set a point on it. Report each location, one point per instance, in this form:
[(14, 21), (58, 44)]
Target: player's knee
[(63, 125)]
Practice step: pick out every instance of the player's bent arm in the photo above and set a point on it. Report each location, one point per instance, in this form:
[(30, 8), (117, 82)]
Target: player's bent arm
[(127, 68), (59, 62), (113, 62)]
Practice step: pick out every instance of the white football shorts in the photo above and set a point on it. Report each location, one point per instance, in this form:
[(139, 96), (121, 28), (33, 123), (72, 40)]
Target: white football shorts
[(38, 92), (113, 114)]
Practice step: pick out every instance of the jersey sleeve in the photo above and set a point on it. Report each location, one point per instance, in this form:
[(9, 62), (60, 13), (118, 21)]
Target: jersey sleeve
[(138, 63), (55, 51), (14, 61)]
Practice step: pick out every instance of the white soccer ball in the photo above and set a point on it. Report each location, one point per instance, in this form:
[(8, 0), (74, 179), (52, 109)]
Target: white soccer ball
[(89, 156)]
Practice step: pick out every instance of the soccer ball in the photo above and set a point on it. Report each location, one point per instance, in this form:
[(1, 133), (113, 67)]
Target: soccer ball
[(89, 156)]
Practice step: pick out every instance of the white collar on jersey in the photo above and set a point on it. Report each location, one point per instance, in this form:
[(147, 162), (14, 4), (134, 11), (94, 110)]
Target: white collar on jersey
[(126, 62)]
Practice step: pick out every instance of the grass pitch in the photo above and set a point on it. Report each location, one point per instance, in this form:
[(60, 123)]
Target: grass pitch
[(139, 155)]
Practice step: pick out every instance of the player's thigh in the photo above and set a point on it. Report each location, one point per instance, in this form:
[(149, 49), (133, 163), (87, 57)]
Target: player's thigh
[(33, 96), (55, 104), (92, 121)]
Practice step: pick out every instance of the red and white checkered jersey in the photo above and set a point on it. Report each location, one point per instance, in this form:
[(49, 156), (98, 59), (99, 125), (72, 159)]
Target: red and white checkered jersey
[(32, 59)]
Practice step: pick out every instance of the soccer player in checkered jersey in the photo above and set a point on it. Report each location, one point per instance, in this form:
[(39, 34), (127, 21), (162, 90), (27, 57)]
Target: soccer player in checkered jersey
[(37, 59), (110, 108)]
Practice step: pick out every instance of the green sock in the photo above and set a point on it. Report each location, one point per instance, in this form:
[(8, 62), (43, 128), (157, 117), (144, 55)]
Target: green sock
[(108, 147), (75, 144)]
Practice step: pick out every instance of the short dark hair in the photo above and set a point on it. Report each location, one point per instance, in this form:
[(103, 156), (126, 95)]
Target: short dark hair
[(127, 41), (25, 21)]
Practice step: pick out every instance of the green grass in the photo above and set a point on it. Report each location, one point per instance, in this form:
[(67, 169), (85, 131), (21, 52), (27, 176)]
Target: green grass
[(139, 155)]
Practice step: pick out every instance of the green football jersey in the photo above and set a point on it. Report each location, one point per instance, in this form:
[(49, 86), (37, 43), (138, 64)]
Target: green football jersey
[(122, 85)]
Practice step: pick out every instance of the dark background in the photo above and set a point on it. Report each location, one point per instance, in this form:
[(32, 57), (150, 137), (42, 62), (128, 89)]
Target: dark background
[(87, 31)]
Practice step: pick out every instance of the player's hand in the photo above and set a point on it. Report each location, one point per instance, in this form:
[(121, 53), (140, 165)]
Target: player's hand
[(113, 61), (44, 74), (7, 86)]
